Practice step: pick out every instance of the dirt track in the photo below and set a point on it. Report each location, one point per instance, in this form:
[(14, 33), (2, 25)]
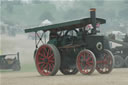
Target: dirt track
[(117, 77), (29, 77)]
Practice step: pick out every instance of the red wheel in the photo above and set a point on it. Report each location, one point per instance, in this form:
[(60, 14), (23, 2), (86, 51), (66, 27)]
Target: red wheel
[(106, 62), (47, 60), (86, 62)]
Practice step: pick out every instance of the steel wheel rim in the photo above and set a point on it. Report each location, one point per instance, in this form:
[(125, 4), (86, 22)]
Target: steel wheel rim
[(105, 65), (85, 64), (45, 61)]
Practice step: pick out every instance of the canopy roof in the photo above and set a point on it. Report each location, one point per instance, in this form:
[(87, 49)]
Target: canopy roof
[(66, 25)]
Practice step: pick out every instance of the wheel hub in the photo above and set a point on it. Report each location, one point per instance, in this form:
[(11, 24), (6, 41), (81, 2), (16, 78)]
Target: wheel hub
[(45, 60)]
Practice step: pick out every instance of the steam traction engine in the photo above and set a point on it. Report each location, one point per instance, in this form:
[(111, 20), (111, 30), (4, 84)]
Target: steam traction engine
[(73, 46)]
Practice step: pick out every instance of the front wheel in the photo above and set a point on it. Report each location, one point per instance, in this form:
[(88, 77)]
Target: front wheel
[(47, 60), (106, 62), (86, 62)]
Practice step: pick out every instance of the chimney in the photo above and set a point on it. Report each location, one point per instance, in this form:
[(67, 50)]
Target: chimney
[(93, 18)]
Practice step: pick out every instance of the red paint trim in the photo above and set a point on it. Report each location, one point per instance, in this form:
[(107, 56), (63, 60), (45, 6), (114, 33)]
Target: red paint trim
[(105, 65), (85, 62), (45, 60)]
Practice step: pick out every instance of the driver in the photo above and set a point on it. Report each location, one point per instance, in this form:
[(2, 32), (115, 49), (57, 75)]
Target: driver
[(53, 34)]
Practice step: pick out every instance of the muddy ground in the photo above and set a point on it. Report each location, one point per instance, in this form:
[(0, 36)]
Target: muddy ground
[(116, 77)]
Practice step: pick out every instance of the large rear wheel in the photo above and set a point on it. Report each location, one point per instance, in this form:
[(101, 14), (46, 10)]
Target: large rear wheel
[(106, 62), (86, 62), (47, 60)]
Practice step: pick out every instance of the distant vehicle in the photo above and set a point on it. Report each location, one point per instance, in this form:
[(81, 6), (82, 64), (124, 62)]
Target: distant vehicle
[(10, 61), (121, 51), (117, 35)]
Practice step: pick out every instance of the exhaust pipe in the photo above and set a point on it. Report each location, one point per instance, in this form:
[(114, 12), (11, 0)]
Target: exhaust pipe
[(93, 19)]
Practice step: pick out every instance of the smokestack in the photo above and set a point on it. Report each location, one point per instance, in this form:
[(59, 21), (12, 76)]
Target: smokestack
[(93, 19)]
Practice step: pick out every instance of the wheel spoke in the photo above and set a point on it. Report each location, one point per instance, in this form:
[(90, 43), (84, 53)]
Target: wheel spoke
[(85, 68), (50, 67), (51, 61), (48, 53), (41, 63), (51, 56), (46, 66), (81, 64), (87, 59), (42, 58), (41, 54), (44, 52), (84, 57), (88, 63)]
